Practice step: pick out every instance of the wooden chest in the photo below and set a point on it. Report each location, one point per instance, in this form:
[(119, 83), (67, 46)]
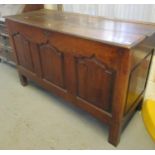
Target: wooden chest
[(98, 64)]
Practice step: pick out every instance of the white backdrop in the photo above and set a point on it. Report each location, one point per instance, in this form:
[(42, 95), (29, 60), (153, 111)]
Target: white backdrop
[(142, 12)]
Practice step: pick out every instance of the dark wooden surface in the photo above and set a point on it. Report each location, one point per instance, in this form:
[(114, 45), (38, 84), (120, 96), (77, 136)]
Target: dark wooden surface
[(108, 31), (105, 78)]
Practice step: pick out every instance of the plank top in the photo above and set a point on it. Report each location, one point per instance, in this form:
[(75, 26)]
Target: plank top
[(114, 32)]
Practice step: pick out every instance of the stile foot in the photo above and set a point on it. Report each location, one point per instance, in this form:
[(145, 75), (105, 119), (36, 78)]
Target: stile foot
[(23, 80), (114, 134)]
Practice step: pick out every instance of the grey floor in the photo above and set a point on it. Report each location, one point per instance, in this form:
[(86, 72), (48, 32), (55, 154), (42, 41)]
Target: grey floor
[(32, 118)]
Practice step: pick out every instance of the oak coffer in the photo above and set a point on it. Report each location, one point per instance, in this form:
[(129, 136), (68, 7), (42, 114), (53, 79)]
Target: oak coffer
[(100, 65)]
